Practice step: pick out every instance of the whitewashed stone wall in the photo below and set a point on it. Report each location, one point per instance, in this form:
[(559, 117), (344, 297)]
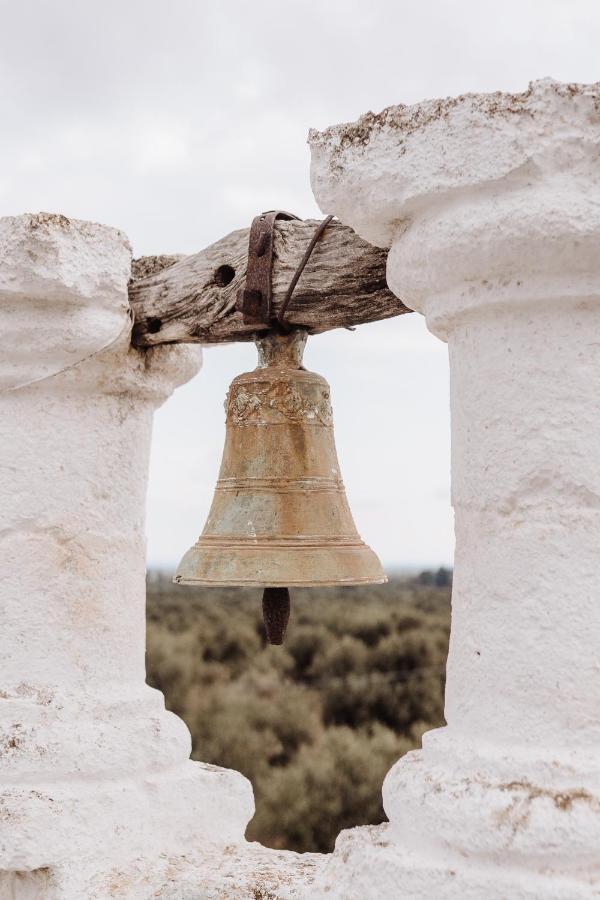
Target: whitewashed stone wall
[(491, 207), (98, 797)]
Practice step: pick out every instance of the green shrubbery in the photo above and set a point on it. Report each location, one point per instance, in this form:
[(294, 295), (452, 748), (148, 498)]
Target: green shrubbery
[(314, 724)]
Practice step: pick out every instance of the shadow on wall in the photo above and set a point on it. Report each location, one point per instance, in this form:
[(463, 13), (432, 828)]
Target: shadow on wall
[(32, 885), (317, 723)]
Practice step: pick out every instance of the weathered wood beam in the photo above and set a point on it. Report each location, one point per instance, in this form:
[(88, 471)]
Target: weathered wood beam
[(193, 298)]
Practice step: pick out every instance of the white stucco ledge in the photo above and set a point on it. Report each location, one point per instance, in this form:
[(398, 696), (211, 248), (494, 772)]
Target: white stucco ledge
[(490, 205), (98, 796), (380, 170), (63, 289), (245, 871), (415, 178)]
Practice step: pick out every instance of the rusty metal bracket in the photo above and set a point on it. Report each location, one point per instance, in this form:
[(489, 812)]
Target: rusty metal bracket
[(254, 300)]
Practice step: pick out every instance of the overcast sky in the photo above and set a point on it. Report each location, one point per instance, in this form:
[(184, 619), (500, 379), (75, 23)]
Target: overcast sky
[(178, 121)]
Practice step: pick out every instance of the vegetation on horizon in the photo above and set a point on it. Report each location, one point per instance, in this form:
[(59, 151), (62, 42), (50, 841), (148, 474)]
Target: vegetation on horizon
[(317, 723)]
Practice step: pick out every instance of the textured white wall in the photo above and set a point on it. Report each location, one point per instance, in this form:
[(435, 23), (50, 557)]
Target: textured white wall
[(98, 797), (491, 207)]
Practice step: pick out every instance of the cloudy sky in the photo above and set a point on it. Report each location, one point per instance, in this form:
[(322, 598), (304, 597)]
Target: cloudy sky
[(178, 121)]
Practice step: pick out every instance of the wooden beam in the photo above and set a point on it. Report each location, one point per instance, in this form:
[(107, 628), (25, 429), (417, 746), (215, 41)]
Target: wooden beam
[(193, 298)]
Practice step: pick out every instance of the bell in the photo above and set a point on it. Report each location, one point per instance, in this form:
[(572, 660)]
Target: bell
[(279, 516)]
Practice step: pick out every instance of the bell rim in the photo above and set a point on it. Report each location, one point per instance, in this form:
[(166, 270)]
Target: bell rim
[(349, 582), (277, 564)]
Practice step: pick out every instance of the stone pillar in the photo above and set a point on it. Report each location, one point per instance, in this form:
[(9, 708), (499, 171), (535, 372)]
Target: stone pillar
[(95, 775), (491, 207)]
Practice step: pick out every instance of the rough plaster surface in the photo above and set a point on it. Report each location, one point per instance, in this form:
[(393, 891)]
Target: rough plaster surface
[(491, 207), (61, 282), (239, 871), (98, 797)]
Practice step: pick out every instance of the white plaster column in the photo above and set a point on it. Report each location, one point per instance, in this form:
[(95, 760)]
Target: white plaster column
[(95, 775), (491, 207)]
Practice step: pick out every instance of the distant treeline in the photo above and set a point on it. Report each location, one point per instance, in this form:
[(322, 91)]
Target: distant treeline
[(314, 724)]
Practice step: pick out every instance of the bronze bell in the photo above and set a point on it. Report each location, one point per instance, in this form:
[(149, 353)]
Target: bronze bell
[(279, 516)]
